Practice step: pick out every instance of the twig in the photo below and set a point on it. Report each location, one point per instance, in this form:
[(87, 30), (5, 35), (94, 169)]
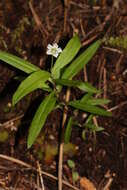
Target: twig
[(108, 184), (38, 21), (82, 28), (118, 106), (66, 5), (14, 160), (86, 80), (112, 49), (86, 42), (11, 120), (105, 83), (101, 73), (100, 27), (117, 68), (60, 164), (85, 74), (3, 185), (40, 174)]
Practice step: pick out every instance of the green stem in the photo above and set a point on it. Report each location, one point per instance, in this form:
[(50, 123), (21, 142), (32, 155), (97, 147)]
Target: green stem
[(51, 63)]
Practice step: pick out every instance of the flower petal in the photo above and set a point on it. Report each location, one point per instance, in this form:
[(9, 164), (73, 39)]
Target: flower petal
[(56, 54), (48, 52), (49, 46), (59, 50), (53, 50), (55, 45)]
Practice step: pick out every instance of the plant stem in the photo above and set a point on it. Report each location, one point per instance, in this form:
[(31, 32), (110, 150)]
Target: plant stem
[(60, 164), (51, 63)]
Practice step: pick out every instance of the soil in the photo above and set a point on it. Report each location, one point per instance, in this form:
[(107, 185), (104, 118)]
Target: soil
[(101, 159)]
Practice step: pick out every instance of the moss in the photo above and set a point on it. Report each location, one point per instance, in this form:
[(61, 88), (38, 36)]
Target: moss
[(3, 136), (118, 42), (16, 35), (48, 151)]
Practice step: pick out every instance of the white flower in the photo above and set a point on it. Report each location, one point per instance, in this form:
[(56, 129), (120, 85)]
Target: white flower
[(53, 50)]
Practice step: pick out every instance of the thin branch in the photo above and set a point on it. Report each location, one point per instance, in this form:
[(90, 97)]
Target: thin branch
[(17, 161), (40, 175), (60, 164)]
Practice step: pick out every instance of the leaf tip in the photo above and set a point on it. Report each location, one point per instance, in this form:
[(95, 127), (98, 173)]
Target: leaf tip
[(28, 146), (29, 143), (13, 101), (109, 113)]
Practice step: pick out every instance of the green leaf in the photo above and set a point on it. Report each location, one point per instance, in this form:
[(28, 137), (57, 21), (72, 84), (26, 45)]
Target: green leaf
[(75, 176), (81, 61), (89, 108), (84, 134), (40, 117), (71, 164), (85, 86), (89, 119), (86, 97), (68, 130), (94, 128), (99, 129), (18, 63), (32, 82), (66, 56), (98, 101)]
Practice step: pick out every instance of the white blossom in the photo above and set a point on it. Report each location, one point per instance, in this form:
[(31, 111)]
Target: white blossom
[(53, 50)]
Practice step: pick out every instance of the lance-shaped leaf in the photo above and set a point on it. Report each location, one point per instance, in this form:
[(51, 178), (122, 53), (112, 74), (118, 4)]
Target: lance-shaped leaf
[(86, 97), (68, 130), (66, 56), (85, 86), (98, 101), (32, 82), (94, 128), (40, 117), (81, 61), (89, 108), (18, 63)]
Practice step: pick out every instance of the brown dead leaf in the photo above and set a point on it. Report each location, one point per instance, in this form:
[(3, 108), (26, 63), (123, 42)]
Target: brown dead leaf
[(86, 184)]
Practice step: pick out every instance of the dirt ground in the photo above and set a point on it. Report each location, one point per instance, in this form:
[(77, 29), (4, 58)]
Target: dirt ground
[(26, 28)]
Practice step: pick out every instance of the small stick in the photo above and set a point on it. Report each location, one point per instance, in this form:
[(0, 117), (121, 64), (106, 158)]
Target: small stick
[(11, 120), (117, 106), (37, 20), (118, 64), (105, 83), (101, 72), (107, 186), (40, 174), (82, 28), (86, 42), (112, 49), (86, 80), (14, 160), (66, 5), (60, 164), (85, 74)]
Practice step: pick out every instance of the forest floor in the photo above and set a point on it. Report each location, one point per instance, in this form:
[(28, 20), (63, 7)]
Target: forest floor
[(26, 28)]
